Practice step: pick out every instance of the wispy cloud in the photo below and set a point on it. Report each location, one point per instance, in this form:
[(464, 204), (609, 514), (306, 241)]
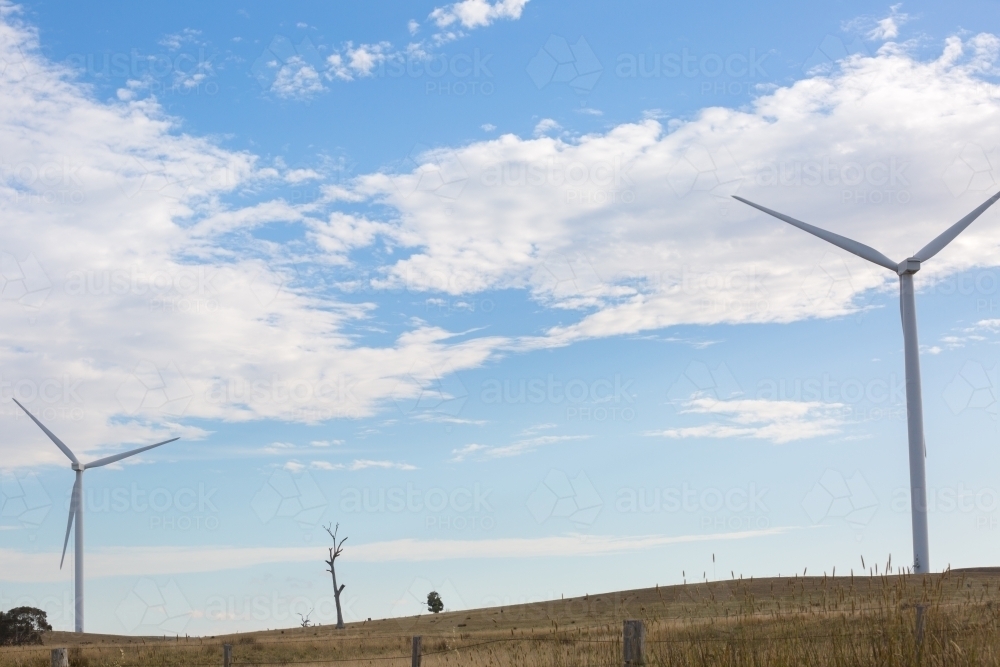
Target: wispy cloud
[(23, 566), (363, 464), (878, 29), (777, 421), (523, 446), (462, 453), (978, 332), (357, 464)]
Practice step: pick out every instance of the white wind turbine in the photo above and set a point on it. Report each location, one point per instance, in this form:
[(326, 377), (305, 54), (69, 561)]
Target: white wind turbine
[(76, 507), (907, 308)]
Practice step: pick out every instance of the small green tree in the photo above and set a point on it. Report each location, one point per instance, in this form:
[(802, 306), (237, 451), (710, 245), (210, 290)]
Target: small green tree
[(23, 625), (434, 602)]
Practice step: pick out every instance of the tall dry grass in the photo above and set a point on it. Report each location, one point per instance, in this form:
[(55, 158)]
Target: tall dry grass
[(820, 621)]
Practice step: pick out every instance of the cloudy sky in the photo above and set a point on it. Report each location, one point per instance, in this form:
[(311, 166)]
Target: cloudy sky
[(468, 280)]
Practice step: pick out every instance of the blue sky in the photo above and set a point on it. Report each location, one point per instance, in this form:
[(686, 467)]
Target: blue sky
[(467, 279)]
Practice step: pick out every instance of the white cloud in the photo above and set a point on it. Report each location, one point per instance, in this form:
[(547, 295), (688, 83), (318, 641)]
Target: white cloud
[(888, 27), (463, 453), (477, 13), (152, 561), (138, 264), (350, 62), (776, 421), (176, 40), (545, 126), (341, 233), (978, 332), (516, 448), (635, 228), (297, 79), (325, 465), (364, 464), (326, 443), (358, 61), (488, 127)]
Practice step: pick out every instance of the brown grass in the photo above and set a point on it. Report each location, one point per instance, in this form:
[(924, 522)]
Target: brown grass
[(766, 622)]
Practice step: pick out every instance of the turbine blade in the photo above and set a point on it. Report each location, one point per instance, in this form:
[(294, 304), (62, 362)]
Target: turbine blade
[(52, 436), (935, 246), (124, 455), (850, 245), (73, 504)]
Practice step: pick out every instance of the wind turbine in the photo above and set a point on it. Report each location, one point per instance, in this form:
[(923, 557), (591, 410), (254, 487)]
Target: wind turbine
[(76, 507), (908, 313)]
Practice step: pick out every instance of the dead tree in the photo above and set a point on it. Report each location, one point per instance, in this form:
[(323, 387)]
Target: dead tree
[(335, 551)]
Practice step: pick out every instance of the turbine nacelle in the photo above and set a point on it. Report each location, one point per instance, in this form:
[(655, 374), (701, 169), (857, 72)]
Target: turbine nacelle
[(908, 266)]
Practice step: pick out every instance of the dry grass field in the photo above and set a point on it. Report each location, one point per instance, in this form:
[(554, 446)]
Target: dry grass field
[(765, 622)]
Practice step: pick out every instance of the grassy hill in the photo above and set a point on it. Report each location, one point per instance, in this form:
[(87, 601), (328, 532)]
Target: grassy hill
[(789, 620)]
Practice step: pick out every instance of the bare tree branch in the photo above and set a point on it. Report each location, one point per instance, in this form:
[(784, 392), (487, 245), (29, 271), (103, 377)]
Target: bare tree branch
[(334, 551)]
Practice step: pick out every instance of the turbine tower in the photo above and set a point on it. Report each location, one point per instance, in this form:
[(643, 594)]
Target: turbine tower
[(76, 507), (908, 313)]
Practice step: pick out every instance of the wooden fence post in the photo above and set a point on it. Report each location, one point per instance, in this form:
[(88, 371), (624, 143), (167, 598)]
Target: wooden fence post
[(60, 657), (415, 652), (227, 655), (921, 623), (634, 643)]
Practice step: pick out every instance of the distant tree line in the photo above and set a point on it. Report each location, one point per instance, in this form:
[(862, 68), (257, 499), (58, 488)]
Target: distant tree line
[(23, 625)]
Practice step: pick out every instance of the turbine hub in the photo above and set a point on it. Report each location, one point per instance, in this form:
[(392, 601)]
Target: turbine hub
[(910, 266), (76, 466)]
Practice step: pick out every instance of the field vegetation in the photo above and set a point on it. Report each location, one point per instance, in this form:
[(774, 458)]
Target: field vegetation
[(852, 620)]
